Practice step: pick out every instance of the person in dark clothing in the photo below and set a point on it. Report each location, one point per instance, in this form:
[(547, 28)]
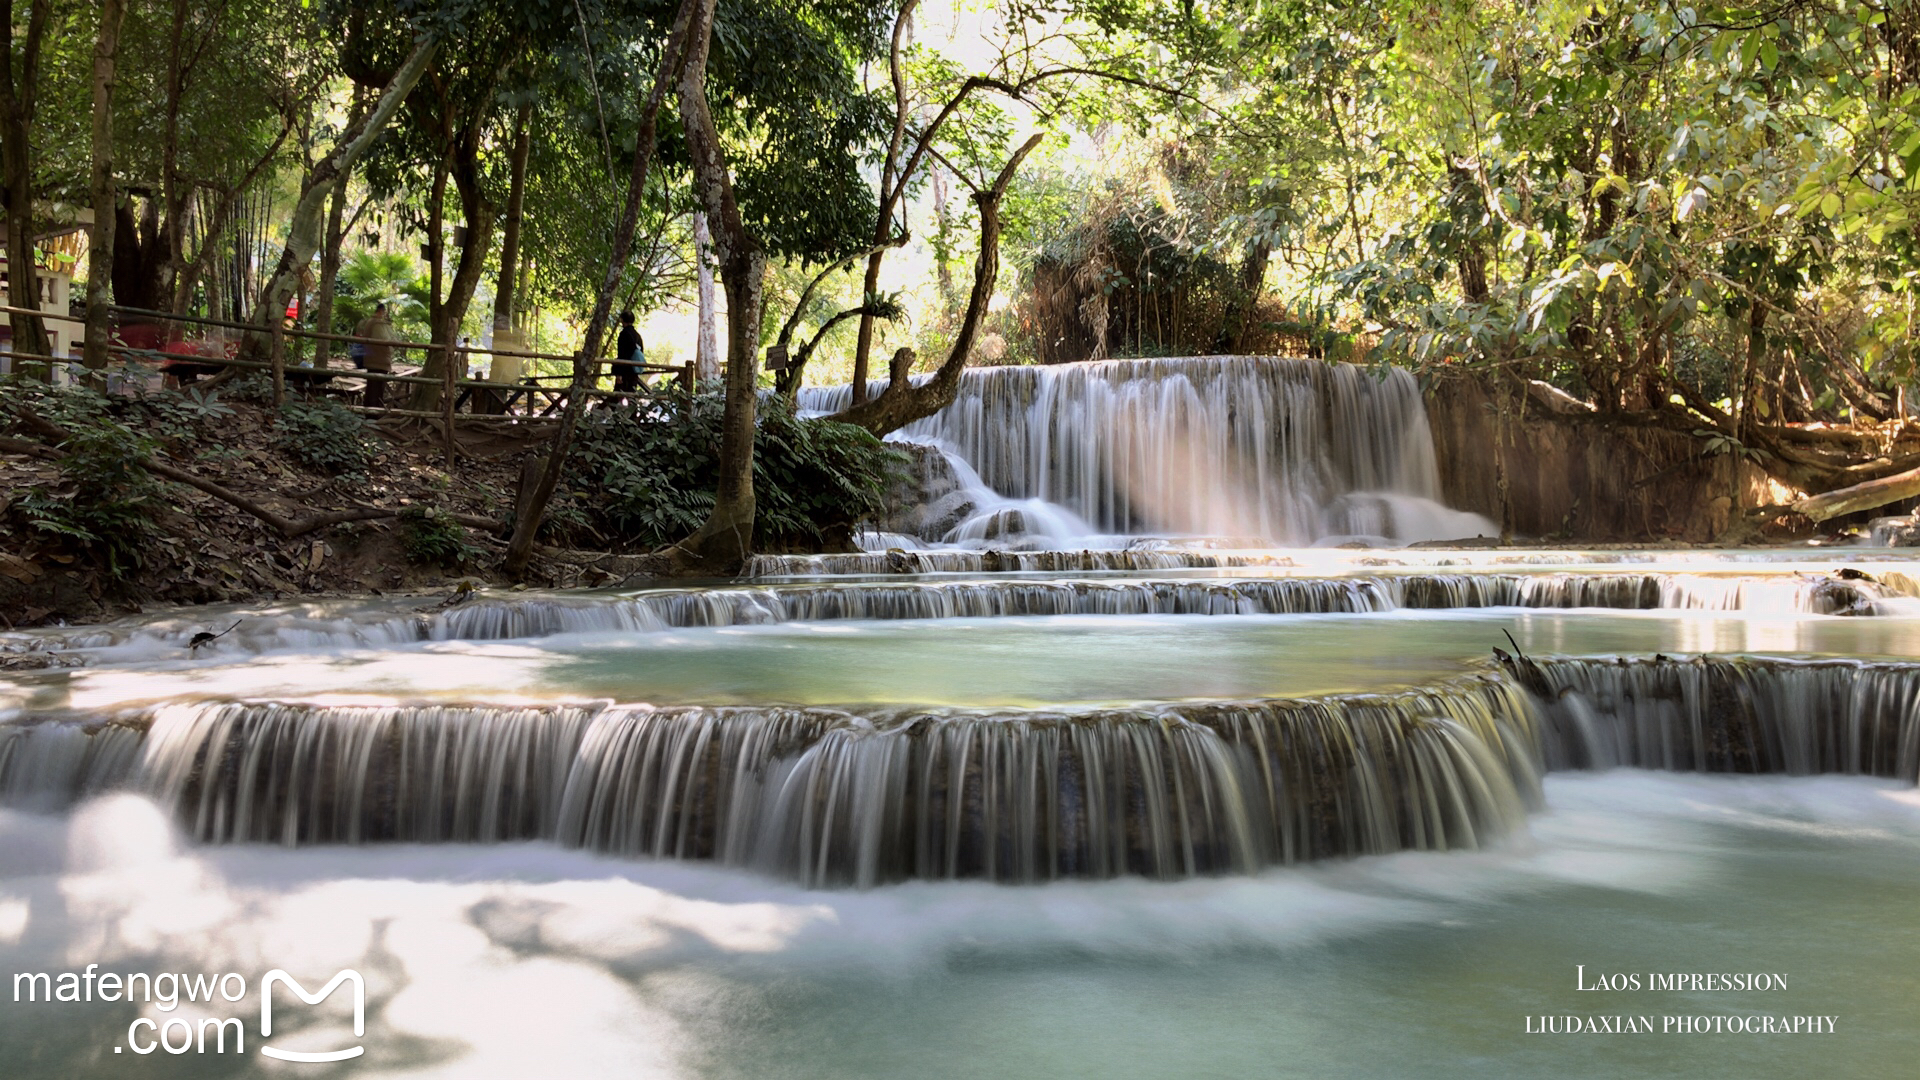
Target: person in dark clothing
[(628, 354)]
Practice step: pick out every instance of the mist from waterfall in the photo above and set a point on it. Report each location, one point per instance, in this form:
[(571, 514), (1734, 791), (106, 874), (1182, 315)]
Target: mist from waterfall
[(1262, 449)]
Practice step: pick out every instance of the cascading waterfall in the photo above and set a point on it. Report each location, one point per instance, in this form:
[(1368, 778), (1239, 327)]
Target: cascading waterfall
[(998, 560), (838, 797), (1738, 714), (1288, 450), (49, 766), (830, 797), (502, 619)]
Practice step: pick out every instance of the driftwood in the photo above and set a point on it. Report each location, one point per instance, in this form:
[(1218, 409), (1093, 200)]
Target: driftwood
[(1865, 496)]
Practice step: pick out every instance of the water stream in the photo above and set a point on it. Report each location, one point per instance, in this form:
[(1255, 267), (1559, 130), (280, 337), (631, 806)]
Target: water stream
[(1291, 451), (1054, 785)]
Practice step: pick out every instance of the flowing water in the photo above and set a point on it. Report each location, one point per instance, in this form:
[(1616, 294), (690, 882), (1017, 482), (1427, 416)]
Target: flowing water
[(1292, 451), (1150, 806)]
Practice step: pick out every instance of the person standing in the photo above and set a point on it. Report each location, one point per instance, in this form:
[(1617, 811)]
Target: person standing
[(629, 352), (379, 356)]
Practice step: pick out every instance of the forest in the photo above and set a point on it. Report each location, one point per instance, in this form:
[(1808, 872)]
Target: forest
[(1633, 216)]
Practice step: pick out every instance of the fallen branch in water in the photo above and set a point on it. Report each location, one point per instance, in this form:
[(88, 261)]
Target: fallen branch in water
[(206, 637), (1522, 668)]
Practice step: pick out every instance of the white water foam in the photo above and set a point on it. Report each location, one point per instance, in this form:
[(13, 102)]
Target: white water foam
[(468, 951)]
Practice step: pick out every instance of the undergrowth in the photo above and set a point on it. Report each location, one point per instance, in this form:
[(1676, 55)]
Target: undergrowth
[(326, 437), (640, 476), (105, 502), (432, 537)]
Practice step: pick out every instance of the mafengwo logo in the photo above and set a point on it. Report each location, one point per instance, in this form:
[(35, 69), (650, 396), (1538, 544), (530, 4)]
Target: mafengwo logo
[(359, 1014), (179, 1035)]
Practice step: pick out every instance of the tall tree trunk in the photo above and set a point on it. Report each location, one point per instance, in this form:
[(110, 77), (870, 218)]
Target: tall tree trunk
[(330, 267), (586, 364), (723, 544), (305, 231), (99, 293), (943, 244), (19, 97), (437, 246), (863, 345), (706, 341), (452, 310), (336, 238), (893, 179), (507, 336), (170, 194), (503, 293), (426, 395)]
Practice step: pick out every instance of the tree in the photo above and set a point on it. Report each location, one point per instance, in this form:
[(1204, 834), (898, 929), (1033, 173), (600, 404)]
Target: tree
[(1026, 71), (106, 47), (19, 103), (504, 293), (209, 96), (796, 120), (902, 402), (586, 363), (723, 543), (304, 231), (1696, 217)]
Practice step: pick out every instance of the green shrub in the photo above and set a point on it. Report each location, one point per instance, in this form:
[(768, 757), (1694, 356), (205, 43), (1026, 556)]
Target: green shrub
[(325, 437), (255, 387), (569, 520), (392, 278), (106, 500), (431, 537), (187, 413), (68, 406), (642, 480)]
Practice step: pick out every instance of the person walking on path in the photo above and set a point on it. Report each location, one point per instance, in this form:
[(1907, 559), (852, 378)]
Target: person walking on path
[(628, 354), (378, 356)]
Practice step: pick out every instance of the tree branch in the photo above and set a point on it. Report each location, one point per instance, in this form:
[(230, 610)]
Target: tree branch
[(796, 365), (840, 265), (902, 402)]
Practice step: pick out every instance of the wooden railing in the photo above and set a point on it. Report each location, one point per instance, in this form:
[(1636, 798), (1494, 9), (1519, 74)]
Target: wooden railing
[(524, 400)]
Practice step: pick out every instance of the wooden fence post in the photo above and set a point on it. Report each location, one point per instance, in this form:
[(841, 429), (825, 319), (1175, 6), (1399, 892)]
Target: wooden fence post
[(279, 358)]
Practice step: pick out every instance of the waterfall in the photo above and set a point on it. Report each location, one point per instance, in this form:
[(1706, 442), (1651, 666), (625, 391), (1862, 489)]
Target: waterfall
[(996, 560), (831, 797), (1290, 451), (502, 618), (1738, 714), (839, 797)]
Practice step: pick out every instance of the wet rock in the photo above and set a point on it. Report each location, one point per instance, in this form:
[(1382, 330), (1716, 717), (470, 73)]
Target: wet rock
[(1894, 532)]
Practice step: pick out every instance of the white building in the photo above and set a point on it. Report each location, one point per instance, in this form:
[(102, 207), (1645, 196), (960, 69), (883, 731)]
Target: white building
[(58, 257)]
